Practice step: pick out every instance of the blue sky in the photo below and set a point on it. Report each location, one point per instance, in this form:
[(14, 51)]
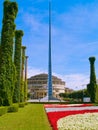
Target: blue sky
[(74, 37)]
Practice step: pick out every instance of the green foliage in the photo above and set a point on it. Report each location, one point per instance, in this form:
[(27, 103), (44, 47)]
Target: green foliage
[(25, 83), (26, 103), (31, 117), (22, 75), (0, 40), (14, 74), (25, 90), (26, 86), (6, 64), (22, 91), (22, 104), (92, 70), (92, 91), (91, 87), (7, 0), (13, 108), (75, 94), (17, 62), (96, 99), (28, 95), (3, 110)]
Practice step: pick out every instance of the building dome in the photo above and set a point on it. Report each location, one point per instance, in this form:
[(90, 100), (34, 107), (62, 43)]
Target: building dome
[(38, 85)]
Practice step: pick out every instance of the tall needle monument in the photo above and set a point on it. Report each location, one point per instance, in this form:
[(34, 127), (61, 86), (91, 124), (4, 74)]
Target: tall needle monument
[(49, 83)]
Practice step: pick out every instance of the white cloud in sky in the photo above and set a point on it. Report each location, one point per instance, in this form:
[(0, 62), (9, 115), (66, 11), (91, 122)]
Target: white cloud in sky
[(76, 81), (34, 71)]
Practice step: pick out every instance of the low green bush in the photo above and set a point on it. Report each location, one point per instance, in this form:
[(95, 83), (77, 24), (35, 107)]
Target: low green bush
[(13, 108), (3, 110), (26, 103), (22, 104)]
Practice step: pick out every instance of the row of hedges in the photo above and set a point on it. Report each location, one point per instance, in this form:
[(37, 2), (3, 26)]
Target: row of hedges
[(13, 76), (12, 108)]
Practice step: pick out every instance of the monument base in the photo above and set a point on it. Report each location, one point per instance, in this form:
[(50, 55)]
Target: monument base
[(50, 99)]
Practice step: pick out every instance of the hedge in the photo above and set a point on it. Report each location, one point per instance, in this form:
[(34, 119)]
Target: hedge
[(3, 110), (22, 104), (13, 108)]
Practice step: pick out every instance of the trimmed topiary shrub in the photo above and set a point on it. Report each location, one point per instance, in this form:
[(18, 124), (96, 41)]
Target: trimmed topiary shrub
[(22, 75), (3, 110), (96, 100), (26, 103), (25, 82), (6, 63), (13, 108), (22, 104), (91, 87), (17, 62)]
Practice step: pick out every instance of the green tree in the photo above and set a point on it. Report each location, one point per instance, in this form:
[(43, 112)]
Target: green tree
[(75, 94), (22, 75), (91, 87), (7, 68), (25, 82), (17, 62)]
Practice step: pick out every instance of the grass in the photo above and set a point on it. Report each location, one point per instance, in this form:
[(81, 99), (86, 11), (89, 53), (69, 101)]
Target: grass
[(31, 117)]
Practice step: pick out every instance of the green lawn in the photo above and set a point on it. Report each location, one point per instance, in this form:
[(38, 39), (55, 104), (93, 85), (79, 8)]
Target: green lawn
[(31, 117)]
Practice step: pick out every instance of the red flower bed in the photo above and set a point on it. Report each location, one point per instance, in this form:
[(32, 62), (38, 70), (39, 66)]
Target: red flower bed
[(55, 116)]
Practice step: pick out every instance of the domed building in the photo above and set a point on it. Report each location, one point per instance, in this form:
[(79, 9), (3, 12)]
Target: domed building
[(37, 86)]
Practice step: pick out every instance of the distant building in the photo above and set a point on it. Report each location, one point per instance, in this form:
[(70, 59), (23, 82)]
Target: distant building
[(37, 86), (68, 90)]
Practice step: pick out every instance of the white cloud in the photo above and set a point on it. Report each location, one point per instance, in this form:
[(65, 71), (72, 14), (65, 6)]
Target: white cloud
[(34, 71), (75, 81)]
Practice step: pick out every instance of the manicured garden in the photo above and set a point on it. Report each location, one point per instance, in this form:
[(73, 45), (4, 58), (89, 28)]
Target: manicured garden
[(61, 115), (51, 117), (30, 117)]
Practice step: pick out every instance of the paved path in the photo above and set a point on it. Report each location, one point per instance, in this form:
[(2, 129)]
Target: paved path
[(41, 100), (71, 108)]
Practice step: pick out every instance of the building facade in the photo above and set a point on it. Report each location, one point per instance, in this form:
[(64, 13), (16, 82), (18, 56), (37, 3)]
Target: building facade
[(37, 86)]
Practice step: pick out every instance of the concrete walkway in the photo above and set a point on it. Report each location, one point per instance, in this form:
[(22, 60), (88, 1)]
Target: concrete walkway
[(40, 100)]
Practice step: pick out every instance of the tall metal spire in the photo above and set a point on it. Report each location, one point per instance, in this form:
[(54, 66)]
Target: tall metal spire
[(49, 84), (49, 60)]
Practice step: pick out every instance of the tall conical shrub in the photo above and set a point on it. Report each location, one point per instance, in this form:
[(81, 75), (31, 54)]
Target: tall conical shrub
[(7, 67), (91, 87), (22, 74), (25, 82), (17, 62)]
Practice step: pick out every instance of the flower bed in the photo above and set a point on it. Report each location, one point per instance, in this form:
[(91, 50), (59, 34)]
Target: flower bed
[(65, 105), (56, 115), (85, 121)]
